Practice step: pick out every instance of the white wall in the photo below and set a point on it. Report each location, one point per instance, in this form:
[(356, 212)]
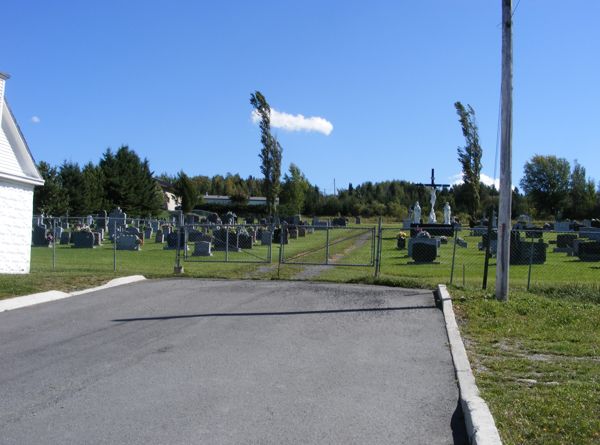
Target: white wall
[(16, 212)]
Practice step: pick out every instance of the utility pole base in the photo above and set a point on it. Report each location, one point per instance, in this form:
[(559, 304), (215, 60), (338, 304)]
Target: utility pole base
[(178, 270)]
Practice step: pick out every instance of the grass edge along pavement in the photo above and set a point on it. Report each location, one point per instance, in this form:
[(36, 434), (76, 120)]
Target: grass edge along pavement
[(536, 360)]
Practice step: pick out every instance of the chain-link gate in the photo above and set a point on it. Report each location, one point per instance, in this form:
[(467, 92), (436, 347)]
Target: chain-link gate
[(235, 243), (326, 245)]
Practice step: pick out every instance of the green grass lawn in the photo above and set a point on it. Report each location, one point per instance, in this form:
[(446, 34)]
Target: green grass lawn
[(536, 358)]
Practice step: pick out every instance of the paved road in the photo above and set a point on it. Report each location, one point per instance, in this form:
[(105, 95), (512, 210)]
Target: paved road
[(228, 362)]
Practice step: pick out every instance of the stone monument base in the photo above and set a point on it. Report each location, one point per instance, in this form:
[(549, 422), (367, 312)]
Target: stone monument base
[(432, 229)]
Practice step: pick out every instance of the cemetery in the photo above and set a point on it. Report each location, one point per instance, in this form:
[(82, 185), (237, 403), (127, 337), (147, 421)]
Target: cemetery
[(444, 251)]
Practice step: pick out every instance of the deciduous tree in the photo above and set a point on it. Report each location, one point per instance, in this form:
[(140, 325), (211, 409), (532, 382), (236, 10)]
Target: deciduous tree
[(546, 183), (271, 151), (469, 157)]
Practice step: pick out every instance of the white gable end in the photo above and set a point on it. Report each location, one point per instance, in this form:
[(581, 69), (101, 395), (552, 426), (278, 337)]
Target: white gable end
[(18, 177)]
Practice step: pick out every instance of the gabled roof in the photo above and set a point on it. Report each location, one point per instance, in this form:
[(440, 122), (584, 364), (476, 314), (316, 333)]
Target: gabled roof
[(16, 162)]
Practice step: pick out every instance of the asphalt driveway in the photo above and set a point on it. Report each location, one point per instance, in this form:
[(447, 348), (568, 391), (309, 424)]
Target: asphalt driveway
[(229, 362)]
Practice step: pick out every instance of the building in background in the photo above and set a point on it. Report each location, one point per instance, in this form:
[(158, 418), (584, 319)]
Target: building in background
[(18, 177)]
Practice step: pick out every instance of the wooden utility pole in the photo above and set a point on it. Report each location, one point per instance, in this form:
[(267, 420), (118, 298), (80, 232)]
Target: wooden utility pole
[(504, 221)]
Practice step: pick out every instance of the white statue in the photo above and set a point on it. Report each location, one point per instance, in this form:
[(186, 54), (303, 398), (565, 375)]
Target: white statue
[(417, 213), (432, 218), (447, 213)]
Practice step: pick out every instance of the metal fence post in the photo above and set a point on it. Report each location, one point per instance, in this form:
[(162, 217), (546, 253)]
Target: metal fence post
[(327, 246), (453, 254), (487, 250), (530, 262), (226, 243), (53, 243), (178, 269), (115, 246), (378, 248)]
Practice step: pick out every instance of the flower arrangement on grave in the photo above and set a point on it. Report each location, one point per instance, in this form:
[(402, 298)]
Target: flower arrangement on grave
[(401, 237), (423, 234)]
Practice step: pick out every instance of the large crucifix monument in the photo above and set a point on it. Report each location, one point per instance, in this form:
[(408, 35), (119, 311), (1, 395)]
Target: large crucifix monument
[(432, 187)]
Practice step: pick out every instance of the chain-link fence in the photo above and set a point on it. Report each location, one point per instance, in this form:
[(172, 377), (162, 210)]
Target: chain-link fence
[(467, 256), (444, 254)]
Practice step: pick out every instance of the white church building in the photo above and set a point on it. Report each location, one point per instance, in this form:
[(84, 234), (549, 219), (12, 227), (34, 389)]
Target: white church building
[(18, 177)]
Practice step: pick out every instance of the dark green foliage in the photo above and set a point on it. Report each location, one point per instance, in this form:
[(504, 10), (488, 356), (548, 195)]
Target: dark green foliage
[(469, 157), (71, 181), (128, 183), (293, 191), (50, 198), (185, 189), (271, 151), (546, 183), (582, 194), (93, 188)]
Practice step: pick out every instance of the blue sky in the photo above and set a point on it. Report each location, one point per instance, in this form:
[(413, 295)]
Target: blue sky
[(173, 80)]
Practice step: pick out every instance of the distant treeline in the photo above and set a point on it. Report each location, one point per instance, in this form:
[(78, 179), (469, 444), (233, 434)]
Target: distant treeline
[(122, 179)]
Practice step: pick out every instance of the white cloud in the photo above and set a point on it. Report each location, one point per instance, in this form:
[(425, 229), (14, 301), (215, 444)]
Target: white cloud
[(485, 179), (298, 122), (35, 119)]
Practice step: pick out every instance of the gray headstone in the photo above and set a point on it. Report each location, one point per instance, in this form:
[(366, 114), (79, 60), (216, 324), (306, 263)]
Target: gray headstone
[(126, 241), (202, 248), (266, 237), (160, 237)]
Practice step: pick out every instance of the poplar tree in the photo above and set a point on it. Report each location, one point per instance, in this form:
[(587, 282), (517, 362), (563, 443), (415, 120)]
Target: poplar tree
[(469, 156), (270, 153)]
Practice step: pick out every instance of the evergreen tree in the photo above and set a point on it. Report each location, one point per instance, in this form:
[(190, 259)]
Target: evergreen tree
[(72, 182), (49, 198), (185, 189), (129, 183), (93, 182)]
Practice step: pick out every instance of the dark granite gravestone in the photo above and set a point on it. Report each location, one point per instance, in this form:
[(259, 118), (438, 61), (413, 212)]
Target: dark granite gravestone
[(301, 231), (293, 232), (244, 241), (589, 251), (224, 239), (339, 222), (434, 229), (148, 233), (424, 251), (172, 241), (280, 235), (97, 238), (133, 231), (128, 241), (65, 238), (38, 236), (524, 252), (357, 220), (83, 239), (160, 237)]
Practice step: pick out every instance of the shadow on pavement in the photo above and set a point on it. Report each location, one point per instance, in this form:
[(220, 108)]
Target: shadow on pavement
[(259, 314)]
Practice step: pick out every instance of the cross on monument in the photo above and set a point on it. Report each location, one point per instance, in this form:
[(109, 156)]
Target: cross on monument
[(432, 189)]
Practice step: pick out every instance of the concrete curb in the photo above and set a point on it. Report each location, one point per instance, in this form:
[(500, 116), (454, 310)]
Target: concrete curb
[(53, 295), (479, 422)]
